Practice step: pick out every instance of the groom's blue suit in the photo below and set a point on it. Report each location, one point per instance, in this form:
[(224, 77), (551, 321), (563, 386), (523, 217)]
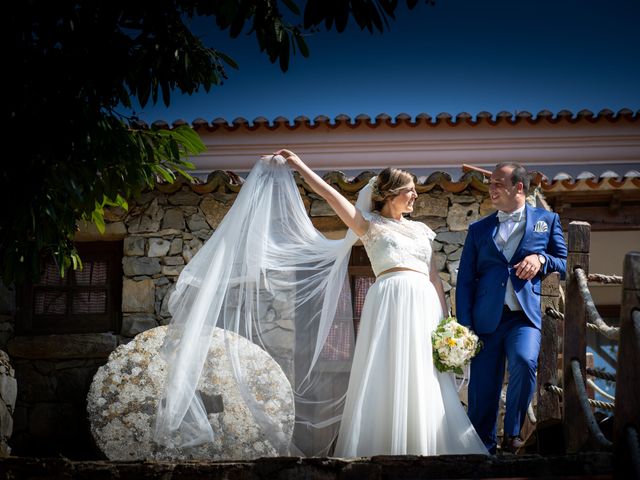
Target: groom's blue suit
[(514, 335)]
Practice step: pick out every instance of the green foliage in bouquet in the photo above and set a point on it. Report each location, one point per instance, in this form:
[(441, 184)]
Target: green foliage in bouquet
[(454, 345)]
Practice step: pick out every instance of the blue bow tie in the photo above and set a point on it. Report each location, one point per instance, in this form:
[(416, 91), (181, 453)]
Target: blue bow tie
[(515, 216)]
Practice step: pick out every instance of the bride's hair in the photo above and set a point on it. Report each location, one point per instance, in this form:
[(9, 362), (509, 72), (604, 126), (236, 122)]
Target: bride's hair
[(389, 183)]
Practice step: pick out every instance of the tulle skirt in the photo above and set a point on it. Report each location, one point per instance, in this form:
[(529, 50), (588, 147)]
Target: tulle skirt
[(397, 402)]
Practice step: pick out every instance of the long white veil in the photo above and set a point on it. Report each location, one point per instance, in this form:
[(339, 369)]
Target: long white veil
[(265, 260)]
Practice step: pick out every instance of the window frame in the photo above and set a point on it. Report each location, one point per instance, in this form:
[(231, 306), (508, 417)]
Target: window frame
[(359, 266), (28, 323)]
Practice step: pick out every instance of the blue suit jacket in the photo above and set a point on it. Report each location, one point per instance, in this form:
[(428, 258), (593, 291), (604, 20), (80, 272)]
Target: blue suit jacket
[(483, 271)]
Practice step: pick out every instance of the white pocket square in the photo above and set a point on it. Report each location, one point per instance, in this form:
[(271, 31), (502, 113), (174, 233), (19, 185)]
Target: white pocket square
[(541, 226)]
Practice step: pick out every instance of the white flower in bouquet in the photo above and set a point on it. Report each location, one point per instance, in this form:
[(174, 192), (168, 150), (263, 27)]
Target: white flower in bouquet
[(454, 346)]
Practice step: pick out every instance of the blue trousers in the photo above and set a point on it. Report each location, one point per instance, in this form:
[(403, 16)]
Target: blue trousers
[(517, 341)]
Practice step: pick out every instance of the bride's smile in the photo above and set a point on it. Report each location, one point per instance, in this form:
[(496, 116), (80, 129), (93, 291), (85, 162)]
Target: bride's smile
[(402, 202)]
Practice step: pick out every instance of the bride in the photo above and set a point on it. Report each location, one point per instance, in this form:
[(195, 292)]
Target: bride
[(395, 402)]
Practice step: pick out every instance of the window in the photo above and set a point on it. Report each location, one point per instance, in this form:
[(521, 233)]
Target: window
[(82, 301), (361, 277)]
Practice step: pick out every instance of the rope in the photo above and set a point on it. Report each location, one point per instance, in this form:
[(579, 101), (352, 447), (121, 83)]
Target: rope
[(606, 395), (601, 278), (531, 415), (553, 389), (594, 403), (600, 373), (634, 449), (598, 329), (612, 333), (553, 313), (592, 424), (635, 319)]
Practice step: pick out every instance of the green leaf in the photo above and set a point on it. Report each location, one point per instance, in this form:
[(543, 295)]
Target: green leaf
[(165, 173), (278, 30), (227, 59), (302, 45), (166, 93), (122, 202), (98, 219), (143, 92), (342, 16), (292, 6), (284, 52), (184, 174), (236, 26)]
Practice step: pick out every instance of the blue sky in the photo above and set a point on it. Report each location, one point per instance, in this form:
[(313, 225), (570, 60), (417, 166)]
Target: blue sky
[(456, 56)]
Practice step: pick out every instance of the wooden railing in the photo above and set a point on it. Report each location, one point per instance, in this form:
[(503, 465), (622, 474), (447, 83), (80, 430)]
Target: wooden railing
[(548, 412), (567, 401)]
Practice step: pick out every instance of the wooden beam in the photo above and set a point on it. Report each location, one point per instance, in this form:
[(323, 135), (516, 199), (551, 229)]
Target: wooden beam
[(470, 168), (574, 346), (601, 217), (627, 409), (548, 412)]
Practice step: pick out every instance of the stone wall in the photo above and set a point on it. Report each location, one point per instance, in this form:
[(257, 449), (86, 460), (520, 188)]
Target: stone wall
[(449, 215), (165, 229), (577, 466), (7, 314), (8, 384), (8, 392), (53, 374)]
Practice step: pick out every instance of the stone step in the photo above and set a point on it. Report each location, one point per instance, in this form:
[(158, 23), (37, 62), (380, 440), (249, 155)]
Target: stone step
[(592, 465)]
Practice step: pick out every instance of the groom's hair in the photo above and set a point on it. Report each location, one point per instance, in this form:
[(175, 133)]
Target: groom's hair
[(519, 174)]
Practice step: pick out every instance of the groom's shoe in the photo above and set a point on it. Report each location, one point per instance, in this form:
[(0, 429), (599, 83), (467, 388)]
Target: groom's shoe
[(512, 444)]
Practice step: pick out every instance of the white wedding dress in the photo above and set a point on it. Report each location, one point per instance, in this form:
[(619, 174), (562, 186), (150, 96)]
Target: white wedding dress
[(397, 402), (266, 266)]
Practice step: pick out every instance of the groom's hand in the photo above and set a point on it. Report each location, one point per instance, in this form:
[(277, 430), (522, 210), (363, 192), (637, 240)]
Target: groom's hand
[(528, 267)]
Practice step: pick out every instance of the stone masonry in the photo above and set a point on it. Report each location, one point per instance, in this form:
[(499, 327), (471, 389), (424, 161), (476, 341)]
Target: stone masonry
[(166, 227), (8, 393)]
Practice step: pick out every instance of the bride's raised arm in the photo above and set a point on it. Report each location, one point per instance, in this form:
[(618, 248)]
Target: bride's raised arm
[(349, 214)]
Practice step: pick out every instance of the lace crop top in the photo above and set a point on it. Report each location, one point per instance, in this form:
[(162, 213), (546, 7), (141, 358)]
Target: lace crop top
[(397, 243)]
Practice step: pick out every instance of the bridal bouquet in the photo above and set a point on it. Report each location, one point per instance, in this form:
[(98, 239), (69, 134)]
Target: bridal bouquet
[(454, 346)]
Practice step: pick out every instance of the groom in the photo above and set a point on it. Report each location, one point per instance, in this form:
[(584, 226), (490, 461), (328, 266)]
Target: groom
[(503, 260)]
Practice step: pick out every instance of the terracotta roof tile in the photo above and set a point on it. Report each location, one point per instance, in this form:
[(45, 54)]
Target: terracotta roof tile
[(589, 182), (585, 181), (422, 119), (562, 176), (226, 181)]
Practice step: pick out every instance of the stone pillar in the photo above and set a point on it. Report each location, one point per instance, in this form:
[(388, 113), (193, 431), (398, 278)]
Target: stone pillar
[(8, 393), (7, 313)]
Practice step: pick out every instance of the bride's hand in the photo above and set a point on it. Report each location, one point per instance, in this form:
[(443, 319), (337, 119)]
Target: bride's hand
[(292, 159)]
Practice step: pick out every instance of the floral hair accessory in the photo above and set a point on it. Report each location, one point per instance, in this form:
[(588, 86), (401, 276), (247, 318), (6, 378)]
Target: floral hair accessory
[(373, 183)]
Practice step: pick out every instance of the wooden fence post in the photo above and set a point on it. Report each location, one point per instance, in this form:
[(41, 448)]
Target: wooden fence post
[(574, 341), (627, 408), (548, 413)]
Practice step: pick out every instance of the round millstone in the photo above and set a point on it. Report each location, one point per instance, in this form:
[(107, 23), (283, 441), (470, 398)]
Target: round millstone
[(124, 395)]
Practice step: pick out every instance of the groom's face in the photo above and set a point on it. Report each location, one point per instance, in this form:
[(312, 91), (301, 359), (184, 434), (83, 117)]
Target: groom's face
[(504, 195)]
